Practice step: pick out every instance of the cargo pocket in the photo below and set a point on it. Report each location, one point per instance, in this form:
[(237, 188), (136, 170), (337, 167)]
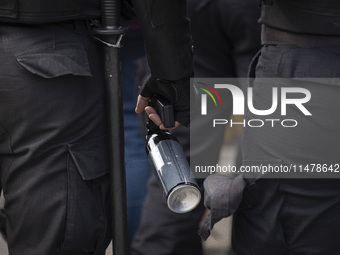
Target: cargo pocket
[(51, 63), (87, 228), (257, 227)]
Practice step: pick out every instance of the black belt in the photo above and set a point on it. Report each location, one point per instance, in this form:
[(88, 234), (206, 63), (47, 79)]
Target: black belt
[(272, 35)]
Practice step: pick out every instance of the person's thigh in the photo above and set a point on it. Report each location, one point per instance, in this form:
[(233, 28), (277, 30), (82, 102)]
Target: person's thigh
[(291, 214), (53, 140), (293, 137)]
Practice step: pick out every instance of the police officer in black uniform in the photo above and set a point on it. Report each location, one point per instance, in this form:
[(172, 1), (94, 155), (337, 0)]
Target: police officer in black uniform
[(53, 127), (294, 216)]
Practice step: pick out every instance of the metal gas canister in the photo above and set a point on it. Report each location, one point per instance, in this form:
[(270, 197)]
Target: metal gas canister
[(169, 163)]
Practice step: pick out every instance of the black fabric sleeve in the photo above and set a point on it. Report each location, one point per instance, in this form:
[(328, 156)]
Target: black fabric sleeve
[(166, 30)]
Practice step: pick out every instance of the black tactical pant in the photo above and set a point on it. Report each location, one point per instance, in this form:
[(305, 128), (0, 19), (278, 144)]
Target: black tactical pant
[(53, 151), (293, 216)]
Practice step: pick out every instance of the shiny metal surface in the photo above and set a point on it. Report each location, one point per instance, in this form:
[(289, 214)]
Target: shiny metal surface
[(183, 198)]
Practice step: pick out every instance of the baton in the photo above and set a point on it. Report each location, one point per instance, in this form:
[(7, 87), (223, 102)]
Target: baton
[(111, 32)]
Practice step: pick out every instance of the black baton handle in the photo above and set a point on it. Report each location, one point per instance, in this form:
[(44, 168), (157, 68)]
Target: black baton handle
[(111, 34), (110, 12)]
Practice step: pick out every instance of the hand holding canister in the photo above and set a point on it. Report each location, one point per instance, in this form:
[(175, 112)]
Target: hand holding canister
[(169, 163)]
